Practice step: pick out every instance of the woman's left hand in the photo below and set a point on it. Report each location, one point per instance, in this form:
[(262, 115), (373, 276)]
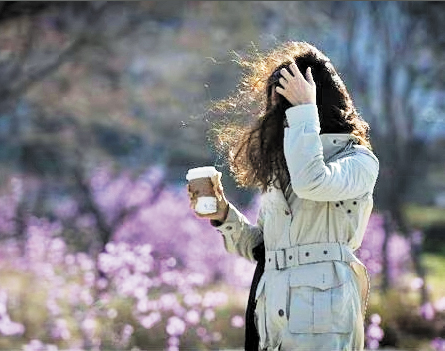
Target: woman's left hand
[(297, 89)]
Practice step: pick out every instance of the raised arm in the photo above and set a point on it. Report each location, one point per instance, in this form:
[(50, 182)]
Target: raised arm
[(312, 178)]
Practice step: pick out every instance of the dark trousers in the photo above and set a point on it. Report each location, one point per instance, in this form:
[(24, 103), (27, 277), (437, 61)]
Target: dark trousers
[(251, 342)]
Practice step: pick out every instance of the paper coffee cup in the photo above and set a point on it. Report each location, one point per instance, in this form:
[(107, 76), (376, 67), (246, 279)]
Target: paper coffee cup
[(201, 184)]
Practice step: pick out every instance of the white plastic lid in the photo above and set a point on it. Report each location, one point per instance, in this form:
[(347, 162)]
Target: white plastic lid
[(201, 172)]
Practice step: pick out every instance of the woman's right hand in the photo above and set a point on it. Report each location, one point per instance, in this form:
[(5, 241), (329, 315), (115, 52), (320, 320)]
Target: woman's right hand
[(222, 203)]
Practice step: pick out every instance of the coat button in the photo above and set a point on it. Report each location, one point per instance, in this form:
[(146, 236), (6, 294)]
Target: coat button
[(281, 313), (287, 213), (229, 227), (307, 254)]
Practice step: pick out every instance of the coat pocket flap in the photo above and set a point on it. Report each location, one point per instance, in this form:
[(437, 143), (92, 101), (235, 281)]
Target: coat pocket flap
[(322, 276)]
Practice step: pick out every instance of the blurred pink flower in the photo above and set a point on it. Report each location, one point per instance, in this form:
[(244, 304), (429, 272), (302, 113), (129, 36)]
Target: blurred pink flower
[(195, 279), (374, 332), (373, 344), (427, 311), (60, 329), (89, 325), (237, 321), (175, 326), (112, 313), (201, 332), (375, 318), (34, 345), (193, 317), (416, 283), (53, 307), (10, 328), (438, 344), (439, 305), (214, 299), (102, 283), (127, 331), (192, 299), (209, 314), (173, 341), (149, 321)]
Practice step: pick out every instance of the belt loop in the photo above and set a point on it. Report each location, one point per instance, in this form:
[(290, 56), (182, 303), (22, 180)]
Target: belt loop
[(280, 256), (293, 256), (342, 256)]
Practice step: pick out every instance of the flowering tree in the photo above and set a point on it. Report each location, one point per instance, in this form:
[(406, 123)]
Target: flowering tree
[(161, 279), (151, 282)]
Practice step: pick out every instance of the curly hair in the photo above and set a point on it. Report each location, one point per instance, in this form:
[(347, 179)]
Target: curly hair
[(254, 151)]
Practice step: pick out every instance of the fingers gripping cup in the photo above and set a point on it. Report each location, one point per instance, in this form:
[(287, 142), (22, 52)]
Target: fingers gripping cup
[(201, 185)]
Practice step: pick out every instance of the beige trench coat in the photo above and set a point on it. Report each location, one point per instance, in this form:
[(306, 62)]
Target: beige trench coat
[(313, 293)]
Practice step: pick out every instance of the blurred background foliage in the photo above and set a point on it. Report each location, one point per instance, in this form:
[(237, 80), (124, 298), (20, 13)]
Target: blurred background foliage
[(125, 85)]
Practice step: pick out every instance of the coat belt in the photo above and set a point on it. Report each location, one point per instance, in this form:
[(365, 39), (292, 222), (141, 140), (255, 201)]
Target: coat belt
[(306, 254)]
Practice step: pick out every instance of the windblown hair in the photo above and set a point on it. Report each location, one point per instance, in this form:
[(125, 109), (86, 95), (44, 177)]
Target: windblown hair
[(254, 151)]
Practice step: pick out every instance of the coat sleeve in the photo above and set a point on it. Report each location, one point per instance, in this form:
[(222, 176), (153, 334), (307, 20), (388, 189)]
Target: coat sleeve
[(240, 236), (351, 176)]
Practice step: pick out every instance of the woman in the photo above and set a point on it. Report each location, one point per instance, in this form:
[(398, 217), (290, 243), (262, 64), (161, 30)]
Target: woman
[(309, 153)]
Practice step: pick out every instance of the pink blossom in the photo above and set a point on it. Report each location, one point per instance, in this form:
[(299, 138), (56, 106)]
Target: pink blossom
[(374, 332), (237, 321), (53, 307), (375, 318), (192, 299), (142, 305), (70, 260), (34, 345), (438, 344), (201, 332), (89, 278), (195, 279), (373, 344), (10, 328), (175, 326), (127, 331), (168, 301), (427, 311), (102, 283), (89, 326), (60, 330), (192, 317), (84, 261), (209, 314), (149, 321), (214, 299), (86, 298), (439, 305), (173, 341), (416, 283), (112, 313)]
